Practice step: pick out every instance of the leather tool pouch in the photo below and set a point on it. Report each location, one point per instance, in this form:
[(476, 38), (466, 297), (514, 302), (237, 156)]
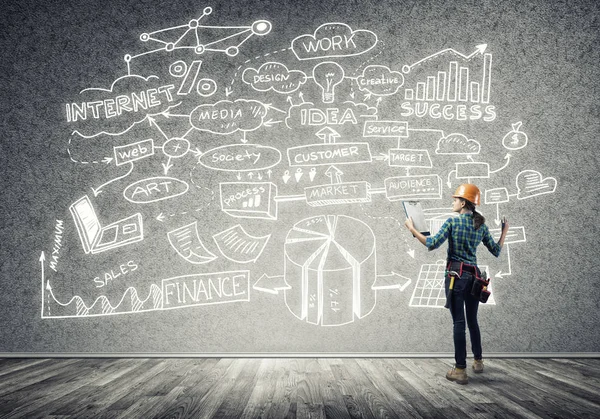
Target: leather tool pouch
[(479, 288)]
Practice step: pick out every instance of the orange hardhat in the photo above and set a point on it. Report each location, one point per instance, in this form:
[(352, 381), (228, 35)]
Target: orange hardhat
[(469, 192)]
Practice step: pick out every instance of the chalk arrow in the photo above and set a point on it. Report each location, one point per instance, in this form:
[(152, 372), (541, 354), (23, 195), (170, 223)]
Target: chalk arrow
[(168, 115), (328, 135), (152, 122), (497, 220), (167, 166), (382, 157), (98, 190), (270, 123), (334, 171), (197, 153), (390, 282), (411, 253), (479, 49), (500, 274), (271, 284), (286, 177), (269, 172), (161, 217), (239, 176), (377, 102), (269, 106), (507, 158), (107, 160), (228, 91), (449, 175), (42, 260)]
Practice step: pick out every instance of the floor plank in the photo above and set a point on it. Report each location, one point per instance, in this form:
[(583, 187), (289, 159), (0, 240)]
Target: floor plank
[(296, 388)]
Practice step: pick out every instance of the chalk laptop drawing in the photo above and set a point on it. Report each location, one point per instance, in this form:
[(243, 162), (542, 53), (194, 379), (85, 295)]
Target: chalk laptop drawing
[(413, 210), (94, 237)]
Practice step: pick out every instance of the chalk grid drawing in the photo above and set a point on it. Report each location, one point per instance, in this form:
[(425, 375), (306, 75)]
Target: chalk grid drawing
[(430, 291)]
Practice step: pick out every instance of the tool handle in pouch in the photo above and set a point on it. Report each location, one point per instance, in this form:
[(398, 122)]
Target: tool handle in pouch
[(479, 289), (452, 275)]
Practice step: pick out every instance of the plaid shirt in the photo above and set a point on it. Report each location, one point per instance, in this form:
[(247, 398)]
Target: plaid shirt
[(463, 239)]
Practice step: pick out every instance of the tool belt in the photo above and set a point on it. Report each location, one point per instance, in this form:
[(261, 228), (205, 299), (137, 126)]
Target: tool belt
[(480, 282)]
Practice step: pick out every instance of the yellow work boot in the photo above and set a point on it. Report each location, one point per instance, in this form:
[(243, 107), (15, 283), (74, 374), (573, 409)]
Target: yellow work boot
[(478, 365), (459, 375)]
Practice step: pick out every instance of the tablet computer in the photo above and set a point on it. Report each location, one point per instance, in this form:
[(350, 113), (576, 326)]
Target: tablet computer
[(413, 210)]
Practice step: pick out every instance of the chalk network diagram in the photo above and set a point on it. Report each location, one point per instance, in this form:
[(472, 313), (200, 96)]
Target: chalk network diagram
[(279, 173)]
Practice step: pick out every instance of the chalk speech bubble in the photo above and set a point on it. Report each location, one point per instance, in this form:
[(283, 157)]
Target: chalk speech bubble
[(348, 112), (115, 110), (380, 80), (457, 144), (155, 189), (240, 157), (274, 76), (333, 40), (530, 183), (227, 117)]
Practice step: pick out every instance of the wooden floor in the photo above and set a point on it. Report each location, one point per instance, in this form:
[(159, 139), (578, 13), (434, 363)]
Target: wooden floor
[(295, 388)]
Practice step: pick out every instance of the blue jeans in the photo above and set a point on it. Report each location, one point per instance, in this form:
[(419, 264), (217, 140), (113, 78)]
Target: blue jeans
[(462, 301)]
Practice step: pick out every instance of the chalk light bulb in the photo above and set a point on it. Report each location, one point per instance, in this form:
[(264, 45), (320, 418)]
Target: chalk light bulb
[(328, 75)]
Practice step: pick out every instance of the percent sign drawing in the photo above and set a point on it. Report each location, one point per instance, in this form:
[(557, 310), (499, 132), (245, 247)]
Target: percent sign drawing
[(204, 87)]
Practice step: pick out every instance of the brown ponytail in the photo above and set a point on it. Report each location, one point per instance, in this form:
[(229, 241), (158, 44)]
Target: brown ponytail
[(478, 219)]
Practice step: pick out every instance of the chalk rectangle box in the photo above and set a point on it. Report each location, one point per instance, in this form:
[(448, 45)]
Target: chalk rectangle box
[(249, 199), (496, 196), (514, 235), (405, 157), (204, 289), (472, 170), (392, 129), (328, 154), (338, 193), (413, 187), (132, 152)]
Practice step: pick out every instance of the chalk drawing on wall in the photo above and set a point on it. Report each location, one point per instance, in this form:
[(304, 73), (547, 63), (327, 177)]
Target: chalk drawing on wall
[(321, 125), (237, 245), (187, 243), (430, 291), (178, 292), (191, 35), (95, 238)]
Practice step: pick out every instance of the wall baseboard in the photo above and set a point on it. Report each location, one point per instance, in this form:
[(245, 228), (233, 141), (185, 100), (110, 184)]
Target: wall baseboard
[(291, 355)]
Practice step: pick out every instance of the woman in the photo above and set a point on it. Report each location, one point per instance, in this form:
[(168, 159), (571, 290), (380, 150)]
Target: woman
[(464, 233)]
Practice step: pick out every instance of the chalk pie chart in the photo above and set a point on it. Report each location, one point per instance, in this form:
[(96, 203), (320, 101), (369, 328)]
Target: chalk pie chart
[(330, 266)]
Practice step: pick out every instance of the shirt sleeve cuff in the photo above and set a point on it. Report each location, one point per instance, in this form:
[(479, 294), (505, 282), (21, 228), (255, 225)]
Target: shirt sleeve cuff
[(428, 242)]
